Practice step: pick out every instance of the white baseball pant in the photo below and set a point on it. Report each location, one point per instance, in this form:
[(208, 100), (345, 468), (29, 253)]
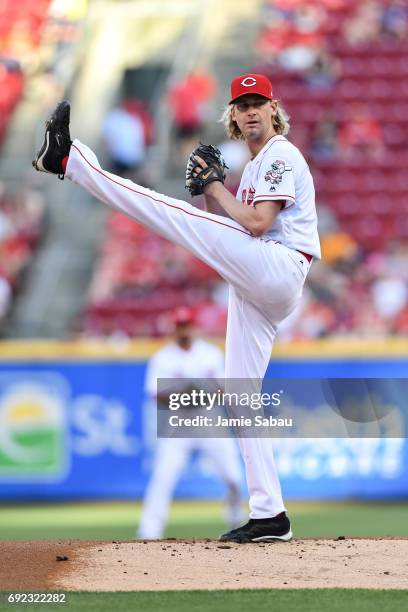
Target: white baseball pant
[(171, 457), (265, 282)]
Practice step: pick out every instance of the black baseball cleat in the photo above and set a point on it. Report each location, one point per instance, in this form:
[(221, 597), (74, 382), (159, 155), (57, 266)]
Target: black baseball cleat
[(57, 142), (260, 530)]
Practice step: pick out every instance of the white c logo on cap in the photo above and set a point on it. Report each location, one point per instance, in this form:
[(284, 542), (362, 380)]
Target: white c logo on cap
[(248, 82)]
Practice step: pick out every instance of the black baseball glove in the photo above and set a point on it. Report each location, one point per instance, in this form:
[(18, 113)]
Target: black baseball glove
[(215, 170)]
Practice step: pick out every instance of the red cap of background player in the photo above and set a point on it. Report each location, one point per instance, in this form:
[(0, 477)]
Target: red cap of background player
[(183, 316), (251, 84)]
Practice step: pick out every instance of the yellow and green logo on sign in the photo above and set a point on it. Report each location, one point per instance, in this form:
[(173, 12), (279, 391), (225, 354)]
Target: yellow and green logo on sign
[(32, 431)]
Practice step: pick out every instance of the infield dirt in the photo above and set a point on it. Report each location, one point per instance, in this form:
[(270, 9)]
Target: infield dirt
[(183, 565)]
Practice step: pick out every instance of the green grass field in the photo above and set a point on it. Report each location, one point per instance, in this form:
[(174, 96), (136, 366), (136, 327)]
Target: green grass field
[(261, 600), (106, 521), (115, 521)]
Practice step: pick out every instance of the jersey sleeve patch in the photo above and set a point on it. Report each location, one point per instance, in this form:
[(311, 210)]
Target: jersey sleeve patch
[(275, 174), (275, 181)]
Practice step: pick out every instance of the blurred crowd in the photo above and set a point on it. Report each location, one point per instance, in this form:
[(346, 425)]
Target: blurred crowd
[(140, 276), (22, 224), (298, 34), (22, 212), (189, 100), (21, 24), (341, 69), (353, 293), (36, 38)]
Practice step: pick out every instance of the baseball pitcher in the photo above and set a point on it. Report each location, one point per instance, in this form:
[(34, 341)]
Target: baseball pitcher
[(263, 250)]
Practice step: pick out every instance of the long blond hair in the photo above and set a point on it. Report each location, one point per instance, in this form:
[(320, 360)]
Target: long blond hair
[(280, 123)]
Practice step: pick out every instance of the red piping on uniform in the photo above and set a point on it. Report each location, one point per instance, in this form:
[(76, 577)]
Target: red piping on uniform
[(157, 200)]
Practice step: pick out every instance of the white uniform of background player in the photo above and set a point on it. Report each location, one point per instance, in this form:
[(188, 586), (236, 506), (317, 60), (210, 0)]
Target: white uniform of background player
[(187, 357), (257, 251)]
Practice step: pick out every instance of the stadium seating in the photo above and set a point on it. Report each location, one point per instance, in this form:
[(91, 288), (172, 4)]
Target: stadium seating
[(357, 184), (21, 227), (140, 277), (21, 25)]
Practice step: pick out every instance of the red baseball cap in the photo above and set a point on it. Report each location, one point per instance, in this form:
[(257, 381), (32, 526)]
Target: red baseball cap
[(183, 316), (251, 84)]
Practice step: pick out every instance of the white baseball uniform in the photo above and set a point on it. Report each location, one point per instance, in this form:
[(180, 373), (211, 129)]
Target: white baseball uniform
[(201, 360), (265, 275)]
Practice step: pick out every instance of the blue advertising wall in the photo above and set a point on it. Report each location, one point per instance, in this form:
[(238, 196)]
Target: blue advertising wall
[(76, 427)]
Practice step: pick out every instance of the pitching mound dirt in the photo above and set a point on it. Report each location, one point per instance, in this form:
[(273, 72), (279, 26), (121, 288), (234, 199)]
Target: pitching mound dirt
[(185, 565)]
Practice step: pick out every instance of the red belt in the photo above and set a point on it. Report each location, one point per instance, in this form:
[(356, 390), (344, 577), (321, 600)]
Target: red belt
[(308, 257)]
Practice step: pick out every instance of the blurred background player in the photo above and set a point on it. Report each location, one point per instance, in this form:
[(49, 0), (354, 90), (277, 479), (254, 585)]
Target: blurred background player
[(186, 357), (124, 139)]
